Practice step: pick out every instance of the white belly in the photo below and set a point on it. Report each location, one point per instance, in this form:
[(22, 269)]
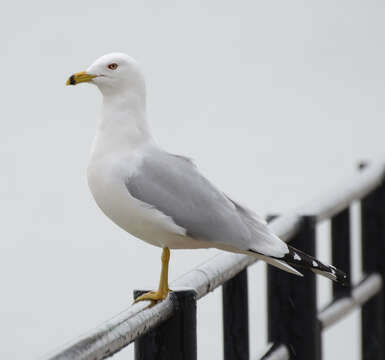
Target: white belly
[(107, 185)]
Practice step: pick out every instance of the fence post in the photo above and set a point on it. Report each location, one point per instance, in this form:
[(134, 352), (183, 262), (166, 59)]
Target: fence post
[(176, 338), (340, 239), (236, 318), (373, 252), (292, 303)]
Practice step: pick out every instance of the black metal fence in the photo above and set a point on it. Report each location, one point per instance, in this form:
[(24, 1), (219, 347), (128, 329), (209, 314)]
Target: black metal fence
[(168, 330)]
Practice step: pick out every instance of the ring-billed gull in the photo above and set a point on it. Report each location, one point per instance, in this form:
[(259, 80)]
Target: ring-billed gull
[(162, 198)]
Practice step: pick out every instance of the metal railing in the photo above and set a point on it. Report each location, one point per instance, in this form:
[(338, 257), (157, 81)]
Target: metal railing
[(168, 329)]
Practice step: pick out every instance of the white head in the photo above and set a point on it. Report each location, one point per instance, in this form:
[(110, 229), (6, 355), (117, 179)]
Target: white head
[(114, 74)]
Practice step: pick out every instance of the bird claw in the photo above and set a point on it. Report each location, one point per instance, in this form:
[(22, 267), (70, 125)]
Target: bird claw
[(152, 296)]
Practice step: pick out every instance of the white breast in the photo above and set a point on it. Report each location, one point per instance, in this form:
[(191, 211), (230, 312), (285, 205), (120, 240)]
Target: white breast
[(106, 178)]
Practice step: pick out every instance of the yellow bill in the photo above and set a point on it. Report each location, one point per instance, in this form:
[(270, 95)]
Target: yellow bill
[(79, 78)]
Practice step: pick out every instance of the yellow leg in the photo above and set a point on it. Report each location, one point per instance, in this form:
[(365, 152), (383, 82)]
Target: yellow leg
[(163, 289)]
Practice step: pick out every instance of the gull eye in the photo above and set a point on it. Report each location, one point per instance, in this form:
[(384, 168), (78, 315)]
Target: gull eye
[(113, 66)]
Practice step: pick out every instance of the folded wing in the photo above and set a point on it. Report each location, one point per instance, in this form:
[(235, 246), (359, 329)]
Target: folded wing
[(173, 185)]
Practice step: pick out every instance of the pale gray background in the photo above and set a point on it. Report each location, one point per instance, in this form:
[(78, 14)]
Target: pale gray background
[(275, 100)]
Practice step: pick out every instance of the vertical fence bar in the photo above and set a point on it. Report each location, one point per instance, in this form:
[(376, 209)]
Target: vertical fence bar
[(373, 252), (340, 231), (176, 338), (292, 303), (236, 318)]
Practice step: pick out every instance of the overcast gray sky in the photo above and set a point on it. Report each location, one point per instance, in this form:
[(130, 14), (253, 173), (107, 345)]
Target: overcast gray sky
[(275, 100)]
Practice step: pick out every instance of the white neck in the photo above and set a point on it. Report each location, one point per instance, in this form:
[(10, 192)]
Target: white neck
[(123, 126)]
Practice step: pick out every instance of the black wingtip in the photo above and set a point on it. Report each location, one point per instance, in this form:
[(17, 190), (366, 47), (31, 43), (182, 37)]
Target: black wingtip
[(300, 259), (342, 278)]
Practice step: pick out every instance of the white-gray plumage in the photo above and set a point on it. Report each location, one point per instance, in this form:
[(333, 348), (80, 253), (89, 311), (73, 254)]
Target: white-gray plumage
[(159, 197)]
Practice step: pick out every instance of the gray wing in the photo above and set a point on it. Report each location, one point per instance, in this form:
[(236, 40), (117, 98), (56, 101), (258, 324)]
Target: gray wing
[(173, 185)]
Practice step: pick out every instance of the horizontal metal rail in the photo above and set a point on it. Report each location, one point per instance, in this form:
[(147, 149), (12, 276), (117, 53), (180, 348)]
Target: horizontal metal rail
[(334, 312), (339, 198), (138, 319), (124, 328), (342, 307)]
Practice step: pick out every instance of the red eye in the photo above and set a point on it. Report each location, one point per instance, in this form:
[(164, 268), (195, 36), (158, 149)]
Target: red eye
[(113, 66)]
